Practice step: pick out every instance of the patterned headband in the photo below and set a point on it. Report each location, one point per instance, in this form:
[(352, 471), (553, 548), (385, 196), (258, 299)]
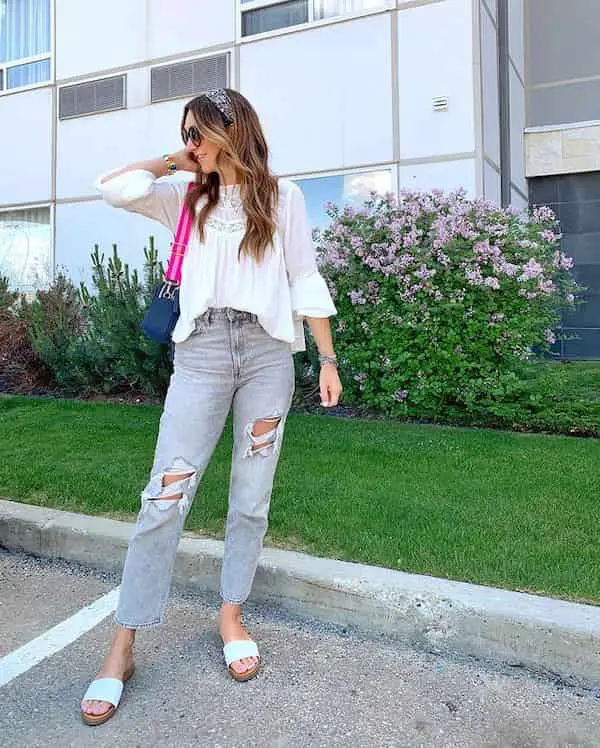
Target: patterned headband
[(220, 98)]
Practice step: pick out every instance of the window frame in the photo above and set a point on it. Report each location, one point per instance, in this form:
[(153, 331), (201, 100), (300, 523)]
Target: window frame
[(311, 23), (5, 66), (52, 224)]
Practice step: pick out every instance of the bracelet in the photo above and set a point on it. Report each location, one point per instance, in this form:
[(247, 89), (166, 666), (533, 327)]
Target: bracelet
[(325, 359), (171, 165)]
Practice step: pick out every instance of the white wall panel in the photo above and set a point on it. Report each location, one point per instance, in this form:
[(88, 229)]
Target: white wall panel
[(489, 73), (516, 35), (138, 87), (81, 225), (88, 146), (95, 36), (517, 200), (164, 133), (180, 26), (443, 175), (517, 134), (435, 58), (26, 147), (491, 184), (324, 96)]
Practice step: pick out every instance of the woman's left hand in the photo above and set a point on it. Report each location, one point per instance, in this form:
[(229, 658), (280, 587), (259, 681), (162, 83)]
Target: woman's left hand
[(330, 385)]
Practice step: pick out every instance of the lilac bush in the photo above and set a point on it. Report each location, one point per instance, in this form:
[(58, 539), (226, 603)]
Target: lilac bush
[(443, 301)]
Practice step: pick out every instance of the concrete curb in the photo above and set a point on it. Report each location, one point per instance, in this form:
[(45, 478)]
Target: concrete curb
[(545, 635)]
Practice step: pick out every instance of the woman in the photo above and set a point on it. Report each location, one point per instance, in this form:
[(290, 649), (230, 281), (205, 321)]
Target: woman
[(249, 276)]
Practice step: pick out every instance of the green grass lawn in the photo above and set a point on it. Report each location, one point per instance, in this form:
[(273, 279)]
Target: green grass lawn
[(519, 511)]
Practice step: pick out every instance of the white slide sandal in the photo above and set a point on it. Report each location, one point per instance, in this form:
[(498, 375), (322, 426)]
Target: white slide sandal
[(237, 650), (104, 689)]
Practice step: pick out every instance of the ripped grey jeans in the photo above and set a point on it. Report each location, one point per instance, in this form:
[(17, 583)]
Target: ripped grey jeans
[(229, 359)]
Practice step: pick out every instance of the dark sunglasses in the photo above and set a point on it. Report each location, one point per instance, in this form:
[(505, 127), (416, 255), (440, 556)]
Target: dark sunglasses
[(193, 134)]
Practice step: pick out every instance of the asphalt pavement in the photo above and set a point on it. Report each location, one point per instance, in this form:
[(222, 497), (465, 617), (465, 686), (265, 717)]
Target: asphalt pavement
[(320, 685)]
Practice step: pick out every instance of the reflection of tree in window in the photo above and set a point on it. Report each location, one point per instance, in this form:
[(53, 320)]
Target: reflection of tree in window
[(25, 248)]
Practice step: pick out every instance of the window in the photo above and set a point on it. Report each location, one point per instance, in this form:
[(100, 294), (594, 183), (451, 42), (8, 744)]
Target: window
[(342, 189), (260, 16), (273, 17), (24, 43), (26, 248)]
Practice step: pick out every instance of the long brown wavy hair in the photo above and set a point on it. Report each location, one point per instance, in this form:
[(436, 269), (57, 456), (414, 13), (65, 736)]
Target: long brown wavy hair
[(243, 146)]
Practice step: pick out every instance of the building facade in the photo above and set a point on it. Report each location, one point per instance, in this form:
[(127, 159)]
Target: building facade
[(354, 95)]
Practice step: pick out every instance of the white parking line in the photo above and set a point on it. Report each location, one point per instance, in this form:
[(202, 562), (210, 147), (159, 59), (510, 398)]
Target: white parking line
[(60, 636)]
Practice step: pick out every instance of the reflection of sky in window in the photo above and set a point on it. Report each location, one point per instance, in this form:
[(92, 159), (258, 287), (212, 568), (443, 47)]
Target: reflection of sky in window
[(352, 189), (25, 249)]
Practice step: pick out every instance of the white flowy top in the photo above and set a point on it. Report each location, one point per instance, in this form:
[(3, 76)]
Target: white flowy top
[(280, 290)]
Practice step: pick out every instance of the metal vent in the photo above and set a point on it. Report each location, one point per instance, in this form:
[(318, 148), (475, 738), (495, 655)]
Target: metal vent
[(440, 104), (91, 98), (189, 78)]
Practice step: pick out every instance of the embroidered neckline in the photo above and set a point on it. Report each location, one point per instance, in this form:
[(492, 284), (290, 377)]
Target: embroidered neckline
[(230, 196)]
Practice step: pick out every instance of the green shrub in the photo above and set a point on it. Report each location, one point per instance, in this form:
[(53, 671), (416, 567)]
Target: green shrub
[(91, 340), (443, 302), (113, 354), (8, 299), (55, 320)]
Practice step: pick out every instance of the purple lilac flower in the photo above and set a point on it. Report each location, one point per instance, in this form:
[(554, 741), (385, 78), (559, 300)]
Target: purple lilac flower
[(542, 214), (550, 336), (474, 277), (492, 282), (503, 267), (424, 273), (550, 236), (546, 286), (357, 297), (531, 270), (565, 263)]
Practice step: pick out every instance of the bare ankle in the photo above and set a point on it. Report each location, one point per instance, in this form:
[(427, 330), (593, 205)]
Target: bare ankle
[(123, 638), (230, 612)]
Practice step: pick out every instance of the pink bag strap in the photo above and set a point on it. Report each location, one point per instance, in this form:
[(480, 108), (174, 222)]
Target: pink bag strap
[(179, 245)]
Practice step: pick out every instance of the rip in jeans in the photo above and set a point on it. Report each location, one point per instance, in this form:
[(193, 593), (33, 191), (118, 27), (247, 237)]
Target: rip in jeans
[(164, 496), (264, 435)]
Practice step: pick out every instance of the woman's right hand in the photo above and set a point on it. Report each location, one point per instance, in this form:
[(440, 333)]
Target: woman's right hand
[(184, 161)]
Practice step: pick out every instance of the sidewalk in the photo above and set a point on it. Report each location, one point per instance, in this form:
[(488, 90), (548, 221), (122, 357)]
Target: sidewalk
[(550, 637)]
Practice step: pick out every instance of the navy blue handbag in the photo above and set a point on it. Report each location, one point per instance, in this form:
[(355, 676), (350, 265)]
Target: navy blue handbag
[(163, 312)]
